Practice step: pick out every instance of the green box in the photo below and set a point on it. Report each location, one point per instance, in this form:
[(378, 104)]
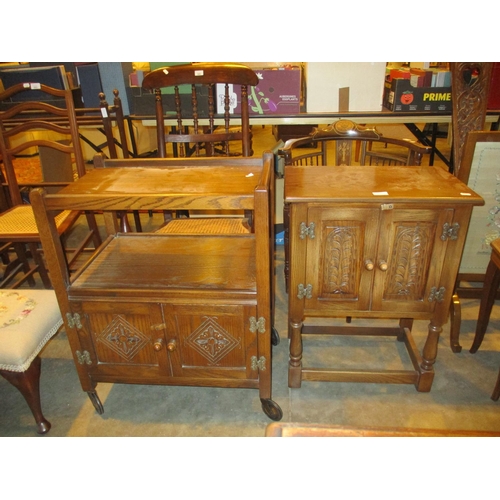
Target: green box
[(183, 89)]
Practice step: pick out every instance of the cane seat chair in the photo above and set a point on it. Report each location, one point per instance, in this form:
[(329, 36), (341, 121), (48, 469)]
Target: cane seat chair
[(200, 129), (25, 125)]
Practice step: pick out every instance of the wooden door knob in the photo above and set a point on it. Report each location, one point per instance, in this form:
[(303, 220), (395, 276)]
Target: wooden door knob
[(382, 265), (369, 265), (157, 346)]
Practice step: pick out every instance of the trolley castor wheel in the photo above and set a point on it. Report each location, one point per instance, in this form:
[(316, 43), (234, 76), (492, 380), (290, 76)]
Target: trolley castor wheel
[(275, 337), (271, 409), (96, 402)]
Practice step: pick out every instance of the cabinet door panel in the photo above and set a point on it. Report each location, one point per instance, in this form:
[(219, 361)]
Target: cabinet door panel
[(410, 258), (120, 337), (211, 340), (338, 257)]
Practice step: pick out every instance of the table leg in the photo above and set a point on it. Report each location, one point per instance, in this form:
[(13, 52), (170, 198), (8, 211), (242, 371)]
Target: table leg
[(429, 355), (295, 362)]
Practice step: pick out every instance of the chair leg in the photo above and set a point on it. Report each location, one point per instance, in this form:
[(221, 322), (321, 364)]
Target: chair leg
[(38, 259), (496, 390), (28, 384), (491, 282)]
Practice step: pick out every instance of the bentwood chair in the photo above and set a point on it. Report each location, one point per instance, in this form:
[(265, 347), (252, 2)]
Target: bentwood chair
[(26, 124), (217, 97), (30, 319), (340, 140)]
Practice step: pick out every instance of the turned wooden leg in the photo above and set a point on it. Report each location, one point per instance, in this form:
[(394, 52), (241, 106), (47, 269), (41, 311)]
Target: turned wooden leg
[(491, 282), (429, 355), (295, 363), (28, 384), (455, 321)]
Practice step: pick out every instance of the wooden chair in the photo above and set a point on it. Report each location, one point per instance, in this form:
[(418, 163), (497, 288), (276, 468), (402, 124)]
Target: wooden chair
[(470, 90), (342, 137), (109, 115), (489, 291), (55, 128), (200, 129), (196, 113), (30, 319)]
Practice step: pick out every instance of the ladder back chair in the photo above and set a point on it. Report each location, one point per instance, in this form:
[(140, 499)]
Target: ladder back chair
[(340, 139), (200, 129), (28, 124)]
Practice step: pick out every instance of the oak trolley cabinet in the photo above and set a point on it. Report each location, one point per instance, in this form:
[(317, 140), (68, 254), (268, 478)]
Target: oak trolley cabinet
[(372, 242), (170, 309)]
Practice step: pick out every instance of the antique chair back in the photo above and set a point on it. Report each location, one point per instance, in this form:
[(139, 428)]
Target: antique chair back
[(342, 136), (203, 117), (50, 124)]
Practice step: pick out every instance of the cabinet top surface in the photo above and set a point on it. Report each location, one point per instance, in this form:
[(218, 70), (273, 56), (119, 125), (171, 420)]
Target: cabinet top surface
[(122, 187), (375, 184)]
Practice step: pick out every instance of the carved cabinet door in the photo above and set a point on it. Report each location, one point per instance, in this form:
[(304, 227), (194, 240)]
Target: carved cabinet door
[(123, 340), (341, 251), (207, 341), (410, 258)]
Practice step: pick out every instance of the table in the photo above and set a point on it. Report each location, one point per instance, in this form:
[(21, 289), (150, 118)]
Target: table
[(169, 309), (372, 242), (409, 119)]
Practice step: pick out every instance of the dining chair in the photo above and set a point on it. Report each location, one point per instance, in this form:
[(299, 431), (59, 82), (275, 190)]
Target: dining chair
[(30, 318), (205, 126), (488, 296), (340, 140), (203, 116), (26, 125)]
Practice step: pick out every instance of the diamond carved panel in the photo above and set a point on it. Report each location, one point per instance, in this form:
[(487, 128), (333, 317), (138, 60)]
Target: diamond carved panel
[(212, 341), (123, 338)]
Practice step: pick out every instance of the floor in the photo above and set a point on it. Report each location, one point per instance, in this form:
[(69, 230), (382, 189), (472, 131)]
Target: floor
[(459, 399)]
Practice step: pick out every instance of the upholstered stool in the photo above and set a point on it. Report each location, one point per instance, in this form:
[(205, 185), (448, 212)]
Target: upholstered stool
[(490, 287), (28, 319)]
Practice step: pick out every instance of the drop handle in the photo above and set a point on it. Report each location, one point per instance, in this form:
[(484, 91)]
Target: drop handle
[(382, 265), (171, 345), (369, 265), (158, 345)]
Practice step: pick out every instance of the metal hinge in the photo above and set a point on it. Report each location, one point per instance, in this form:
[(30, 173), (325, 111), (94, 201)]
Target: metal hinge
[(304, 291), (450, 231), (307, 230), (73, 320), (83, 357), (260, 364), (437, 294), (257, 324)]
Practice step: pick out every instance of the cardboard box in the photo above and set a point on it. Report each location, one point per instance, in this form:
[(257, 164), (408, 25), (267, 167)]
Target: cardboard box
[(278, 92), (400, 95), (345, 86)]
